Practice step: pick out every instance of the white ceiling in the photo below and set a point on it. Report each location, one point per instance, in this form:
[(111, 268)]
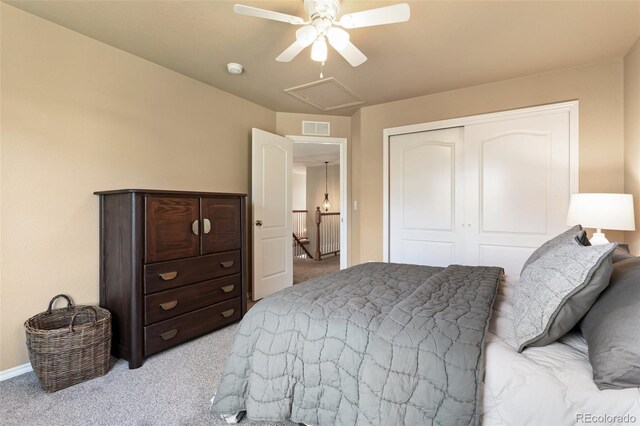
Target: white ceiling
[(314, 154), (445, 45)]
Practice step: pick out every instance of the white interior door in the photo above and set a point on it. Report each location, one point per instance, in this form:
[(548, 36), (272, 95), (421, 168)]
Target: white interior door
[(518, 186), (426, 184), (272, 163)]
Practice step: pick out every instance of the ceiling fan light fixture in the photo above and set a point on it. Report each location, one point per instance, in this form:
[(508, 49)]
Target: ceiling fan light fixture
[(306, 35), (338, 38), (319, 50), (320, 26), (347, 21)]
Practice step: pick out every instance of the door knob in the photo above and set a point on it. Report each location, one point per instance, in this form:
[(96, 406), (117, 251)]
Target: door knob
[(258, 223)]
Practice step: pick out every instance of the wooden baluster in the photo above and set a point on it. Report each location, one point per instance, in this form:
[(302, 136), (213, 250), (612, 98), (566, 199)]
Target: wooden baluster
[(318, 220)]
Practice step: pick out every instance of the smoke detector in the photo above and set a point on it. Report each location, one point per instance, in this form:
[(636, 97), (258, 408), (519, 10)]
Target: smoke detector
[(234, 68)]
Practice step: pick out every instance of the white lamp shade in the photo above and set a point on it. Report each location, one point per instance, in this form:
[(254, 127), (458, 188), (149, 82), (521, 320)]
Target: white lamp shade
[(319, 50), (602, 211), (306, 35)]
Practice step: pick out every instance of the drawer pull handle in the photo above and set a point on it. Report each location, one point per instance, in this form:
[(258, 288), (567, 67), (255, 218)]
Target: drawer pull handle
[(168, 305), (228, 313), (167, 335), (228, 288), (207, 225), (195, 227), (227, 264), (167, 276)]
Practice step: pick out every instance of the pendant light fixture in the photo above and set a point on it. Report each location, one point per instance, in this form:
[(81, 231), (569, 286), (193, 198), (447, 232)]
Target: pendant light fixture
[(326, 205)]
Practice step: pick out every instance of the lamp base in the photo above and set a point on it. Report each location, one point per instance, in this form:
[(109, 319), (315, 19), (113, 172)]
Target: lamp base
[(598, 239)]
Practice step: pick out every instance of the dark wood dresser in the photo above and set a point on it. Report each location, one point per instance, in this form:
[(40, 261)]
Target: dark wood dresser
[(172, 266)]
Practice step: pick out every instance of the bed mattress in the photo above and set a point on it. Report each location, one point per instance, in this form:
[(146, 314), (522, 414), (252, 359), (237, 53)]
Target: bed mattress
[(550, 385)]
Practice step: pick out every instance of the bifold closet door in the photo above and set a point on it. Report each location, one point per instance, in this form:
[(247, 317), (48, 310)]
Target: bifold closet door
[(518, 185), (426, 197)]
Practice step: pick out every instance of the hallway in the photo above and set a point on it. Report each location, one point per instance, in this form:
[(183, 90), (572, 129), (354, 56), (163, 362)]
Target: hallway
[(305, 269)]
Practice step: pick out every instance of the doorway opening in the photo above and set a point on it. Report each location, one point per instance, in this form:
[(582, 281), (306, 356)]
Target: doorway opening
[(319, 206)]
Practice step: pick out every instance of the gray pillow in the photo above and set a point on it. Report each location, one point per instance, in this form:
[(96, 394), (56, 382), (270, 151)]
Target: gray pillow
[(557, 289), (612, 329), (622, 253), (619, 254), (566, 236)]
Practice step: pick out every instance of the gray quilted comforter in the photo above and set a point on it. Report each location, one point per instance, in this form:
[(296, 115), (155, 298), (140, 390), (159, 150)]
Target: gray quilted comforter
[(377, 343)]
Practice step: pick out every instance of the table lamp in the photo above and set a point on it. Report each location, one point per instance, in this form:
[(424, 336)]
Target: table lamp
[(602, 211)]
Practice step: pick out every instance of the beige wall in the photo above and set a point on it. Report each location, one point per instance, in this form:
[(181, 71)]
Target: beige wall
[(355, 169), (299, 196), (598, 87), (632, 137), (80, 116)]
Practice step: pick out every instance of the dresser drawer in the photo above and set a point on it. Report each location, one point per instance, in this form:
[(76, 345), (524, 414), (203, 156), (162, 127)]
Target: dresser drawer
[(171, 332), (170, 303), (175, 273)]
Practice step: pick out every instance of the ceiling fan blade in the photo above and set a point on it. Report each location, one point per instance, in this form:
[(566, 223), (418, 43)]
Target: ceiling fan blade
[(380, 16), (352, 54), (290, 52), (267, 14)]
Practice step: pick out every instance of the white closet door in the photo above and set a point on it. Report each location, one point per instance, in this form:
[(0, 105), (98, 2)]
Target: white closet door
[(426, 197), (517, 192)]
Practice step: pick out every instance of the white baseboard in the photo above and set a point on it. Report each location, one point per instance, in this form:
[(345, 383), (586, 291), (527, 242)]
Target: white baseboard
[(15, 371)]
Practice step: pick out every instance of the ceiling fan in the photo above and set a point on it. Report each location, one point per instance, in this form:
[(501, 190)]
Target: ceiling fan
[(323, 25)]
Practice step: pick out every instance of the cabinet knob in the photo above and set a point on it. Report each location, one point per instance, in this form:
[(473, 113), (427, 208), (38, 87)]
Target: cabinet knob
[(195, 227), (228, 313), (168, 305), (168, 276), (206, 223), (227, 288), (167, 335)]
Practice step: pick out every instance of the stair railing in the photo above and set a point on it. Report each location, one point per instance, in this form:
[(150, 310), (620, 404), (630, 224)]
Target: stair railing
[(300, 237), (327, 234)]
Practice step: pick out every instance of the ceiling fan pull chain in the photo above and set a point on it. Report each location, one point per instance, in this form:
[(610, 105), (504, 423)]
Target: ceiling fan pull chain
[(321, 67)]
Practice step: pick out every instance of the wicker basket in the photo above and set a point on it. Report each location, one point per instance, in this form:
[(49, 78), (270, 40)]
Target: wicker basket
[(69, 345)]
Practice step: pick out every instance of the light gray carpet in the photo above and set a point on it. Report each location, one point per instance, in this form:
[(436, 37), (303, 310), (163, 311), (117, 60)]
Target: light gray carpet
[(171, 388), (305, 269)]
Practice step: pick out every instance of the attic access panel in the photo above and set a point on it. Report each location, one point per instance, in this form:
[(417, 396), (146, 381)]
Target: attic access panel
[(326, 95)]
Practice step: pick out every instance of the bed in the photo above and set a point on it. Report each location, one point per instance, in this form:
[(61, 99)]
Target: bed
[(387, 344), (366, 345), (549, 385)]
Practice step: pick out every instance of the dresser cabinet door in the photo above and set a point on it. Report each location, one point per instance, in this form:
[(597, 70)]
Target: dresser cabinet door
[(170, 226), (221, 222)]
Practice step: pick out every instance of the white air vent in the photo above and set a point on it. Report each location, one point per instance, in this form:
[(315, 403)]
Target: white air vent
[(326, 95), (316, 128)]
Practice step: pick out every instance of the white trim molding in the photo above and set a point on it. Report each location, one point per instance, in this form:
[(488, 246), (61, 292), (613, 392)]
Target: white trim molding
[(344, 196), (574, 159), (15, 371)]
